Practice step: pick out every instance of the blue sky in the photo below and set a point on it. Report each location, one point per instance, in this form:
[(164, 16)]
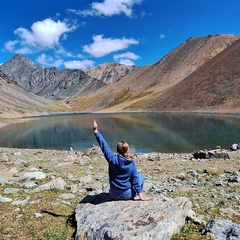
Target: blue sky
[(78, 34)]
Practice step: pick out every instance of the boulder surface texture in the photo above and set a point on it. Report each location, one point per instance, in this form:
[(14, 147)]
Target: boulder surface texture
[(222, 229), (98, 217)]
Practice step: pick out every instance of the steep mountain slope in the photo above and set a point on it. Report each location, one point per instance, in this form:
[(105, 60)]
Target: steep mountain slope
[(49, 82), (202, 74), (16, 101), (144, 85), (215, 86), (179, 63), (109, 72)]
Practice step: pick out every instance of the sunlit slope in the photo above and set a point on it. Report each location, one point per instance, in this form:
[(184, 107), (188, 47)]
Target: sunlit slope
[(214, 87), (141, 89)]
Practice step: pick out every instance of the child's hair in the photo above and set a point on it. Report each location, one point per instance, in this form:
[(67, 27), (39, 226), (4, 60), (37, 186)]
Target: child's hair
[(123, 148)]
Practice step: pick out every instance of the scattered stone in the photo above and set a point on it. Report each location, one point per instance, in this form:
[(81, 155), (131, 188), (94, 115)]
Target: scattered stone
[(15, 172), (57, 183), (38, 215), (84, 160), (35, 175), (19, 216), (211, 154), (5, 199), (219, 183), (4, 158), (234, 179), (193, 173), (86, 179), (11, 190), (25, 164), (30, 184), (67, 196), (167, 175), (21, 202)]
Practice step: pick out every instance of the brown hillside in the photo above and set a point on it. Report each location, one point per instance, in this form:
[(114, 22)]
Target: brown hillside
[(140, 86), (179, 63), (213, 87)]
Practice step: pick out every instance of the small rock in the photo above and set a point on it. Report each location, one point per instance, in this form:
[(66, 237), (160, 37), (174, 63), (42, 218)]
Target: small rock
[(58, 183), (38, 215), (234, 179), (67, 196), (11, 190), (4, 199), (86, 179), (21, 202), (36, 175), (192, 173), (30, 184)]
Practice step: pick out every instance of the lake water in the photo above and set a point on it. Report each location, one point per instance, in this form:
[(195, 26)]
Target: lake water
[(145, 132)]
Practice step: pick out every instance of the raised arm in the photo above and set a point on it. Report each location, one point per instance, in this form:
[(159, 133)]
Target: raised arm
[(108, 154)]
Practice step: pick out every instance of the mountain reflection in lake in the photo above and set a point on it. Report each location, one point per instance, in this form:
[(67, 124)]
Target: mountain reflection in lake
[(145, 132)]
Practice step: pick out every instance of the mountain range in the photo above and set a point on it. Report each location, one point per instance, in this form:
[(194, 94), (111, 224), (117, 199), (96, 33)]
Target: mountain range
[(200, 75)]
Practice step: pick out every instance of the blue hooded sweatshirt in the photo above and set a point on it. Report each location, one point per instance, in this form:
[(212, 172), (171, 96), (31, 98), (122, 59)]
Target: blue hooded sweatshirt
[(123, 174)]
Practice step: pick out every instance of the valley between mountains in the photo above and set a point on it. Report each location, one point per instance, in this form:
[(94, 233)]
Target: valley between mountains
[(200, 75)]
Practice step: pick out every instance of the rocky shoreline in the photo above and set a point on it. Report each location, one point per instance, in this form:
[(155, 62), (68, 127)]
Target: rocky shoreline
[(34, 180)]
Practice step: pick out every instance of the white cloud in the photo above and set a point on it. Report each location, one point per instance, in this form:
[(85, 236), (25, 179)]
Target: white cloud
[(10, 45), (127, 55), (47, 60), (65, 53), (126, 62), (79, 64), (43, 35), (162, 36), (24, 50), (126, 58), (50, 61), (109, 8), (103, 46)]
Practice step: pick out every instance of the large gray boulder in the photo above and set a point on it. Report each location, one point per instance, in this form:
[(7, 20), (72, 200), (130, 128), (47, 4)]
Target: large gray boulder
[(222, 229), (98, 217)]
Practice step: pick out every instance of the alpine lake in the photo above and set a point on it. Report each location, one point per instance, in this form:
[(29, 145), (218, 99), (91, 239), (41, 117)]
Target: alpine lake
[(145, 132)]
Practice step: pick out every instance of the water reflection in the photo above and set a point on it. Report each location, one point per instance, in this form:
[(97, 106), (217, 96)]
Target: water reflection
[(143, 131)]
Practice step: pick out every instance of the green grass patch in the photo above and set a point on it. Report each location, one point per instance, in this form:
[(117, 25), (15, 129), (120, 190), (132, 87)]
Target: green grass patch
[(22, 223), (120, 97), (191, 231), (140, 95), (141, 104), (55, 234)]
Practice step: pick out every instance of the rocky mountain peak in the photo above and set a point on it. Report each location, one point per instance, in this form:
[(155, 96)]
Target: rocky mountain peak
[(180, 81), (109, 72), (59, 84)]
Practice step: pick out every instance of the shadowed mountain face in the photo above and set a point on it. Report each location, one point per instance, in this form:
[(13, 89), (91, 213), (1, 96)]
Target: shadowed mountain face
[(202, 74), (49, 82), (16, 101)]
